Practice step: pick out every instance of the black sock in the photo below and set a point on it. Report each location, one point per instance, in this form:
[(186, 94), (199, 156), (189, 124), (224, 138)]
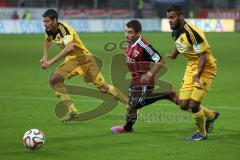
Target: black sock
[(153, 97), (130, 120)]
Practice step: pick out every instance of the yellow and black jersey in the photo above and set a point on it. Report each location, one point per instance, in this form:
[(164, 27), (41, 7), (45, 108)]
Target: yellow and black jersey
[(64, 35), (190, 41)]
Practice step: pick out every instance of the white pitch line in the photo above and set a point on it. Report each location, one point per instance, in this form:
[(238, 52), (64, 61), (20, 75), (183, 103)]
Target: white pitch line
[(236, 107), (44, 98)]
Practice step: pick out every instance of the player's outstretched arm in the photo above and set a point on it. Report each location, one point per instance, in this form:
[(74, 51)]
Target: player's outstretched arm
[(154, 70), (47, 45), (156, 67), (158, 63), (172, 55), (67, 49)]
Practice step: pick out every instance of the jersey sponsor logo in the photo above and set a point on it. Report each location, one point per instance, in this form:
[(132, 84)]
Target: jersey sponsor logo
[(65, 39), (135, 53), (58, 41), (155, 57), (130, 60), (181, 47)]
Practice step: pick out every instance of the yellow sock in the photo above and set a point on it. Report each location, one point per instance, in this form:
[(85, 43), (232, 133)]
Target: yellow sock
[(199, 118), (64, 97), (72, 108), (118, 94), (208, 113), (61, 93)]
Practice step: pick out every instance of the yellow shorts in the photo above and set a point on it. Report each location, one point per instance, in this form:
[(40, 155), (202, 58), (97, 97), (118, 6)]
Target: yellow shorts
[(190, 89), (84, 66)]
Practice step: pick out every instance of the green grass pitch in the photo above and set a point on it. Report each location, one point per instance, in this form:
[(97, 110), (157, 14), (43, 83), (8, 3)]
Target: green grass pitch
[(26, 101)]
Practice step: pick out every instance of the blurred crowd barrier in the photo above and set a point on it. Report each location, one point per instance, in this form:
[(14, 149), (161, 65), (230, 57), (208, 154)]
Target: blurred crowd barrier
[(207, 25), (219, 13), (232, 13), (113, 25)]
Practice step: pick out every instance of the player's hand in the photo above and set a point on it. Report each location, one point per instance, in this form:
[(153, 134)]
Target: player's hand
[(145, 78), (170, 56), (46, 64), (44, 59)]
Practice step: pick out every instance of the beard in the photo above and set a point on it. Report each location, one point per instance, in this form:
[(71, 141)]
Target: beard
[(177, 25)]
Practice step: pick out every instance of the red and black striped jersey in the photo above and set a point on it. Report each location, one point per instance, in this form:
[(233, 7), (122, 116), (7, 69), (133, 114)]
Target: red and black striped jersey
[(138, 58)]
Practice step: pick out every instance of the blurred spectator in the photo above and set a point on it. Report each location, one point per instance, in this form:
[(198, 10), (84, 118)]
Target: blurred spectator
[(22, 3), (15, 15), (140, 6), (191, 14), (27, 15)]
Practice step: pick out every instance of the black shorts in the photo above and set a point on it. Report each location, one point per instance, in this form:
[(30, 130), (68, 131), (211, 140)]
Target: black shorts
[(138, 94)]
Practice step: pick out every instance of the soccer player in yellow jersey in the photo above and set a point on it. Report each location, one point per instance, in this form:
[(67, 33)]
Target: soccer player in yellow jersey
[(78, 61), (200, 72)]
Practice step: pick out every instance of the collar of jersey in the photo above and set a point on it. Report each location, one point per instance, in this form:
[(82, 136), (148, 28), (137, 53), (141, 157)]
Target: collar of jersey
[(136, 42)]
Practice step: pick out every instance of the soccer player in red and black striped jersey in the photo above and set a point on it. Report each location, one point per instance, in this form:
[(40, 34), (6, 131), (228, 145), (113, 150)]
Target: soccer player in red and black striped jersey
[(139, 55)]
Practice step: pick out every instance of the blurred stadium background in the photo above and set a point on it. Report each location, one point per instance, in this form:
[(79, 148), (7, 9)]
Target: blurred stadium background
[(110, 15)]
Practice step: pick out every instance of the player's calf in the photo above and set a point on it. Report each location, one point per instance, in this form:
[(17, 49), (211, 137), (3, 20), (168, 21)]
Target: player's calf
[(173, 97), (210, 122)]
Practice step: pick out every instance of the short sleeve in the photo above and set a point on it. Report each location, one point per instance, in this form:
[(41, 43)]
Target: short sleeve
[(196, 40), (152, 53), (67, 33)]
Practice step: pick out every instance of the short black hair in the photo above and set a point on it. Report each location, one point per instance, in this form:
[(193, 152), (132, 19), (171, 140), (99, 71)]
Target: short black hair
[(175, 7), (51, 13), (135, 24)]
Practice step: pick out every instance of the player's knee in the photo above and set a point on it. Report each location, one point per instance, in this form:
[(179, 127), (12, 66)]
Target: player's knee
[(183, 105), (185, 108), (55, 79), (194, 108), (103, 88)]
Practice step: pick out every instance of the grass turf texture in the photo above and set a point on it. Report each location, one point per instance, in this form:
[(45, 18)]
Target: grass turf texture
[(26, 101)]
